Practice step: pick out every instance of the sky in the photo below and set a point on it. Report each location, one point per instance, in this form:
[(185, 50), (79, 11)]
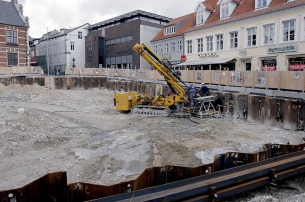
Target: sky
[(57, 14)]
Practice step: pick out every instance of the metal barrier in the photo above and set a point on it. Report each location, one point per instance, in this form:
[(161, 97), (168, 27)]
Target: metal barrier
[(53, 187)]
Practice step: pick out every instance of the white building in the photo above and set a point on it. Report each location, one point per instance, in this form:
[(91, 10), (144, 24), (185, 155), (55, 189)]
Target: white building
[(247, 35), (62, 49)]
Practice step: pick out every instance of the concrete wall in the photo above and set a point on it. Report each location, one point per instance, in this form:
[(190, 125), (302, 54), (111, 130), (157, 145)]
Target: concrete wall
[(146, 34)]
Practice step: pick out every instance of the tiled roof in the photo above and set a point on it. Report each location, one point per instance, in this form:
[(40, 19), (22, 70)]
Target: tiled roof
[(188, 22), (208, 6), (9, 15), (243, 10)]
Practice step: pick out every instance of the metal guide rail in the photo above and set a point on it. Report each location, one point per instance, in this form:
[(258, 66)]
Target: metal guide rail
[(221, 184)]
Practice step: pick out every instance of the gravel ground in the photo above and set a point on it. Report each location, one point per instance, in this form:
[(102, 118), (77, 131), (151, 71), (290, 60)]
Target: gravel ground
[(79, 131)]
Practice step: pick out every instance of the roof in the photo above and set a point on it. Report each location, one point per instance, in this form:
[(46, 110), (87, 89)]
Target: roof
[(128, 15), (244, 9), (55, 33), (186, 20), (9, 15)]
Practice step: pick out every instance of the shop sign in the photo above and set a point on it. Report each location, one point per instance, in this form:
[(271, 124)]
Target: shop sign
[(183, 58), (242, 52), (208, 55), (268, 68), (283, 48), (296, 67)]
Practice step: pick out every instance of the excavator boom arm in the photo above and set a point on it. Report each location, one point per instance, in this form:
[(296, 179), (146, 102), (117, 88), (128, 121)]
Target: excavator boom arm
[(166, 71)]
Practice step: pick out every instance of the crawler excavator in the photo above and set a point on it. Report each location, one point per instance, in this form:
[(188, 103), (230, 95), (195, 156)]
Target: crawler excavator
[(160, 105)]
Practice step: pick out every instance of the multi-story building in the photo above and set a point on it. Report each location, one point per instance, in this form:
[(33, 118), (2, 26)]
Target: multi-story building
[(33, 42), (58, 50), (247, 35), (110, 43), (14, 45), (169, 42)]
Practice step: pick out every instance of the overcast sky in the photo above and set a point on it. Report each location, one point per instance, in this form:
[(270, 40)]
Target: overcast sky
[(57, 14)]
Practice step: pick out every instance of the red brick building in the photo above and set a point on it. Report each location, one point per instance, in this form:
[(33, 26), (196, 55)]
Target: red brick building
[(14, 45)]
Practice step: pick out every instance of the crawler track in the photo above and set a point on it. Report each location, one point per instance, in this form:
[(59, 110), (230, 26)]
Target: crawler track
[(150, 110), (221, 184)]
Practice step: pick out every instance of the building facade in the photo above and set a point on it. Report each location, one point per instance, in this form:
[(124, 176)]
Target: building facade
[(33, 42), (247, 35), (169, 42), (14, 45), (110, 43), (58, 50)]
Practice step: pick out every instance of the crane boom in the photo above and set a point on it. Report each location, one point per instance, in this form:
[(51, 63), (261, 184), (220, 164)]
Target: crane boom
[(170, 76)]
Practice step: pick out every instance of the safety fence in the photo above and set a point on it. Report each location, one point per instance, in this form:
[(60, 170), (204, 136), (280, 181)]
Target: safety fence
[(290, 80), (22, 70), (54, 187)]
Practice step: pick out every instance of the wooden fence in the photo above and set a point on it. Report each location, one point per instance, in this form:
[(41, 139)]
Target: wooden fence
[(25, 70), (290, 80)]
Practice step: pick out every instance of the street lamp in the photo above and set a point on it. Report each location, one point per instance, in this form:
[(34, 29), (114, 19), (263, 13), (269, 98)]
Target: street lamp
[(73, 60)]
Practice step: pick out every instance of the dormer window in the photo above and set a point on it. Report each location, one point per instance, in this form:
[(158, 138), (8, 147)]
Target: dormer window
[(261, 3), (224, 10), (199, 15), (227, 7), (169, 30), (203, 11)]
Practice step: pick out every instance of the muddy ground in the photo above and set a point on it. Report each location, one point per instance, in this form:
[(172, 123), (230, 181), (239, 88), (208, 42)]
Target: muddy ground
[(79, 131)]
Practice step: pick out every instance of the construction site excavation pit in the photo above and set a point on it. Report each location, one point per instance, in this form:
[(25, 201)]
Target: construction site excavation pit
[(80, 132)]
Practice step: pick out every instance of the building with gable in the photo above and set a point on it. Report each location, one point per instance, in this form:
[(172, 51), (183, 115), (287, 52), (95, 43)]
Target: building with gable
[(168, 43), (58, 50), (247, 35), (110, 42), (14, 44)]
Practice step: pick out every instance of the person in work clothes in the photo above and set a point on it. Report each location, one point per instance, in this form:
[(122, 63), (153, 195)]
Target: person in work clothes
[(192, 91), (204, 90)]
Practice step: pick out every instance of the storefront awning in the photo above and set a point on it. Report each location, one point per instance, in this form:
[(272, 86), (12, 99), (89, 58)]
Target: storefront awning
[(206, 62), (295, 53), (266, 56)]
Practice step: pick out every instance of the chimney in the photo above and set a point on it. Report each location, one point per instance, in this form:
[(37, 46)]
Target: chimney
[(14, 2), (21, 9), (27, 21)]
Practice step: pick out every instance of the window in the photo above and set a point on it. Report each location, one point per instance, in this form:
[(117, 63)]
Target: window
[(189, 46), (12, 59), (224, 10), (179, 45), (72, 45), (209, 43), (199, 17), (251, 36), (200, 45), (173, 46), (80, 35), (129, 38), (156, 49), (32, 53), (11, 36), (166, 48), (289, 30), (268, 34), (233, 39), (161, 49), (261, 3), (169, 30), (219, 42)]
